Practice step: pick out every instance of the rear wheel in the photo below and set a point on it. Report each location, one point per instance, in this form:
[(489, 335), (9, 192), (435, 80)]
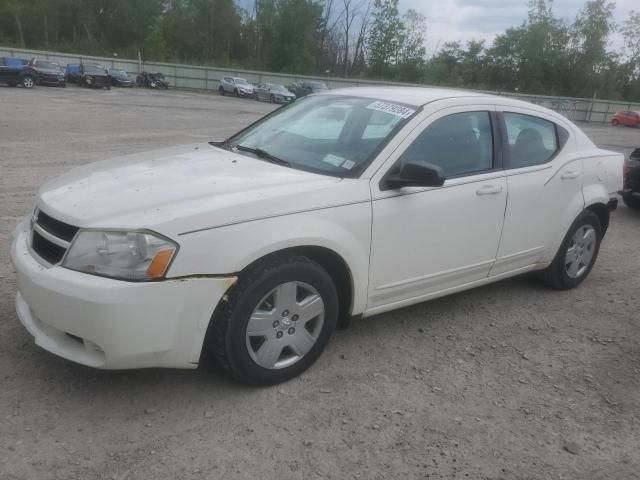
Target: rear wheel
[(615, 122), (276, 321), (28, 81), (631, 202), (235, 92), (577, 254), (221, 91)]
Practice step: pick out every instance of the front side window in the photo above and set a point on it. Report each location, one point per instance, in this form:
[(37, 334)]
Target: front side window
[(460, 144), (532, 140), (331, 134)]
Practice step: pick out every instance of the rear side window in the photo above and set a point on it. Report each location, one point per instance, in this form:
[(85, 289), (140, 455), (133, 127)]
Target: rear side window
[(460, 144), (531, 140), (14, 62)]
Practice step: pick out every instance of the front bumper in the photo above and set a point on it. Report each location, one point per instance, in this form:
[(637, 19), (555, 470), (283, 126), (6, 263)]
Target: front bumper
[(113, 324)]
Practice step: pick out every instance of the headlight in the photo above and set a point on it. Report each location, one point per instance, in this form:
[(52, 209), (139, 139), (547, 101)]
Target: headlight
[(89, 79), (123, 255)]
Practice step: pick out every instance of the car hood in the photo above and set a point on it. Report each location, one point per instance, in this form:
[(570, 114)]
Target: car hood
[(181, 189)]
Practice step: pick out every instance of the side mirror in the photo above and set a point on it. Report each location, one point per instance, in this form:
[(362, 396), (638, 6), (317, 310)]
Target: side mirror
[(414, 174)]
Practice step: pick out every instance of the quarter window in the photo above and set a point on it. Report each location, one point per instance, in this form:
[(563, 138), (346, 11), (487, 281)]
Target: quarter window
[(532, 140), (460, 144)]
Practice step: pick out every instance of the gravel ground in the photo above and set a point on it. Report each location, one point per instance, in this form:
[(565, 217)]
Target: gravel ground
[(507, 381)]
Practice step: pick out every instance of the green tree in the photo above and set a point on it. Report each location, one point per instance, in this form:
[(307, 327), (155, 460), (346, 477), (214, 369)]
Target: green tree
[(589, 38), (385, 36), (411, 58)]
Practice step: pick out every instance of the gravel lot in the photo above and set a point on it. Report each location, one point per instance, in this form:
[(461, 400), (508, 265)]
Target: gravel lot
[(508, 381)]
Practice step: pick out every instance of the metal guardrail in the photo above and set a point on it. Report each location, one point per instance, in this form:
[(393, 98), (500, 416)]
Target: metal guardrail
[(208, 78)]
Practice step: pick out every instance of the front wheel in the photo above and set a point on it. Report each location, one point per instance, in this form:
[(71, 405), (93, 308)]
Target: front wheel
[(276, 320), (28, 81), (577, 254), (615, 122), (631, 202)]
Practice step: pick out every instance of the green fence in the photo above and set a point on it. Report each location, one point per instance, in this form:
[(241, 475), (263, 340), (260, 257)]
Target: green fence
[(208, 78)]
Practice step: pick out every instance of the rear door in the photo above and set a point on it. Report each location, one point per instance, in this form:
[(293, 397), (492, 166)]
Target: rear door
[(544, 179)]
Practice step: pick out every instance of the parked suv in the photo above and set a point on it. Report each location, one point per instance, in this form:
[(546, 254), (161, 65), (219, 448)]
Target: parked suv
[(45, 73), (94, 76), (341, 205), (11, 72), (631, 191), (236, 86)]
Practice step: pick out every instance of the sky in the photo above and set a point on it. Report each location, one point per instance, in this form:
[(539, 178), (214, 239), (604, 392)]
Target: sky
[(462, 20)]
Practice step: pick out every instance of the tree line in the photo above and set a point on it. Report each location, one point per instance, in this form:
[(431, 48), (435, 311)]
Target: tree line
[(350, 38)]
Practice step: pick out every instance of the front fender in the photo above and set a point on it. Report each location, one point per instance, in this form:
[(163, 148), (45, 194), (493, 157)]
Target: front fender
[(345, 230)]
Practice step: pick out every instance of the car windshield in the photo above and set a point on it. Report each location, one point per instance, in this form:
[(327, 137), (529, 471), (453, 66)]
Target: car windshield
[(278, 88), (328, 134), (318, 86), (93, 69), (118, 73), (241, 81)]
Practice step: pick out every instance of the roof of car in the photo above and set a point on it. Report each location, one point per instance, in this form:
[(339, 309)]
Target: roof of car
[(416, 96)]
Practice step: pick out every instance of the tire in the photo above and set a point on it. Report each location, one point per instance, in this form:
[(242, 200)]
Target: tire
[(27, 81), (631, 202), (615, 122), (564, 274), (108, 87), (221, 91), (243, 355), (272, 99), (235, 92)]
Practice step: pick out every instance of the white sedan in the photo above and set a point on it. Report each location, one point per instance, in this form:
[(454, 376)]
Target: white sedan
[(344, 204)]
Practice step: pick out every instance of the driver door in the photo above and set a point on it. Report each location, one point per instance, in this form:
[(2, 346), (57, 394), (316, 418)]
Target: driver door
[(428, 241)]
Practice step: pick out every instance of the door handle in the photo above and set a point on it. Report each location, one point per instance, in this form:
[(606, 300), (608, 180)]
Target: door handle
[(489, 190), (570, 175)]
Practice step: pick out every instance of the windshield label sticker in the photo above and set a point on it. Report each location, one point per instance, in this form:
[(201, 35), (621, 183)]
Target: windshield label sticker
[(334, 160), (392, 109), (348, 164)]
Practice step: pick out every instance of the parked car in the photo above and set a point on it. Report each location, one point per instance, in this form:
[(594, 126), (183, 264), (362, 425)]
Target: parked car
[(236, 86), (94, 76), (72, 73), (344, 204), (152, 80), (12, 72), (274, 93), (120, 78), (627, 117), (306, 88), (45, 73), (631, 190)]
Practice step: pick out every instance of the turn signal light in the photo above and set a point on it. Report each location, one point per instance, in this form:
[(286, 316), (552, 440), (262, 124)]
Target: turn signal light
[(159, 264)]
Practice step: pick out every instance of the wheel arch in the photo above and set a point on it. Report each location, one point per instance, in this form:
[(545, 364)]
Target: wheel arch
[(603, 214), (335, 265)]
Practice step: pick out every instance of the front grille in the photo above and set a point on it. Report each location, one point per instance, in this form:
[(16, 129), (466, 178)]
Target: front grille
[(55, 227), (50, 238), (46, 249)]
